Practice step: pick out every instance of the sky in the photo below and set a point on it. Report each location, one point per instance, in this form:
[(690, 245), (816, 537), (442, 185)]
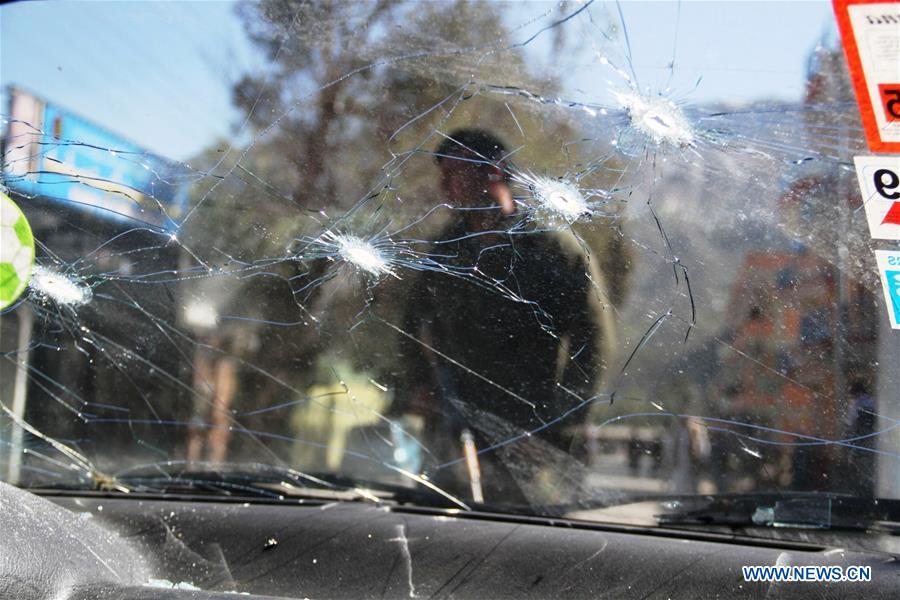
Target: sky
[(159, 73)]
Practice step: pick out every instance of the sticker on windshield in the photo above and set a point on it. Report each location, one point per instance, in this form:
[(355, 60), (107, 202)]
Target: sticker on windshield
[(879, 185), (870, 30), (889, 267), (16, 252)]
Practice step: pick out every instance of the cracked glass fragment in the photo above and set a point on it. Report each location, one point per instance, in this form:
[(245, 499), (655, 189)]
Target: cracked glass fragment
[(539, 257)]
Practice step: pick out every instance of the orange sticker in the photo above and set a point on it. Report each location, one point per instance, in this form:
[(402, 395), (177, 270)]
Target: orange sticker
[(870, 31)]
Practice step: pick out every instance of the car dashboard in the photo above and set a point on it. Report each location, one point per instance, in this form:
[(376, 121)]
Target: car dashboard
[(96, 545)]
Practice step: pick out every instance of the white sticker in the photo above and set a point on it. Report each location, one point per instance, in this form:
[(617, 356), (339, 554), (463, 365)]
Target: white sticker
[(889, 268), (879, 185), (877, 30)]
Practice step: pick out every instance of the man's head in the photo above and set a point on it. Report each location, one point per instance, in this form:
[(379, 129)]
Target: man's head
[(473, 175)]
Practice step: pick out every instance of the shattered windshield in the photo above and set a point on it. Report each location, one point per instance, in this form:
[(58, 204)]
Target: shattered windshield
[(539, 257)]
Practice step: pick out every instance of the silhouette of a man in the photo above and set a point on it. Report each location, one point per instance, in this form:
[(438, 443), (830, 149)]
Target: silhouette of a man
[(491, 342)]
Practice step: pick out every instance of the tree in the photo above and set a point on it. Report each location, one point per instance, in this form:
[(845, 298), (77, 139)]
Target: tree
[(352, 103)]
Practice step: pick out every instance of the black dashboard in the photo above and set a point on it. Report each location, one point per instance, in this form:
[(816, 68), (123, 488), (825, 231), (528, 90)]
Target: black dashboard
[(94, 547)]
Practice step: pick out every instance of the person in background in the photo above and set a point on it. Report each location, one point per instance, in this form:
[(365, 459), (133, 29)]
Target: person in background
[(506, 341)]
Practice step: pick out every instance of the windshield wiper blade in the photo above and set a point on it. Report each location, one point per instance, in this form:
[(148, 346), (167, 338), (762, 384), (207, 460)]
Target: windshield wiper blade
[(272, 481), (783, 510), (177, 477)]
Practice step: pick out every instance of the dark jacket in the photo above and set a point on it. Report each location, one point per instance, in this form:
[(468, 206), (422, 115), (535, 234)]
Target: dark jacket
[(495, 334)]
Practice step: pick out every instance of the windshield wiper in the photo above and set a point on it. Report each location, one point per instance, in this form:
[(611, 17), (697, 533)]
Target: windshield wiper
[(797, 510), (272, 481)]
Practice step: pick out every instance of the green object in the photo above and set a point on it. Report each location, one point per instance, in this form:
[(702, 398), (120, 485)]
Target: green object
[(16, 252)]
